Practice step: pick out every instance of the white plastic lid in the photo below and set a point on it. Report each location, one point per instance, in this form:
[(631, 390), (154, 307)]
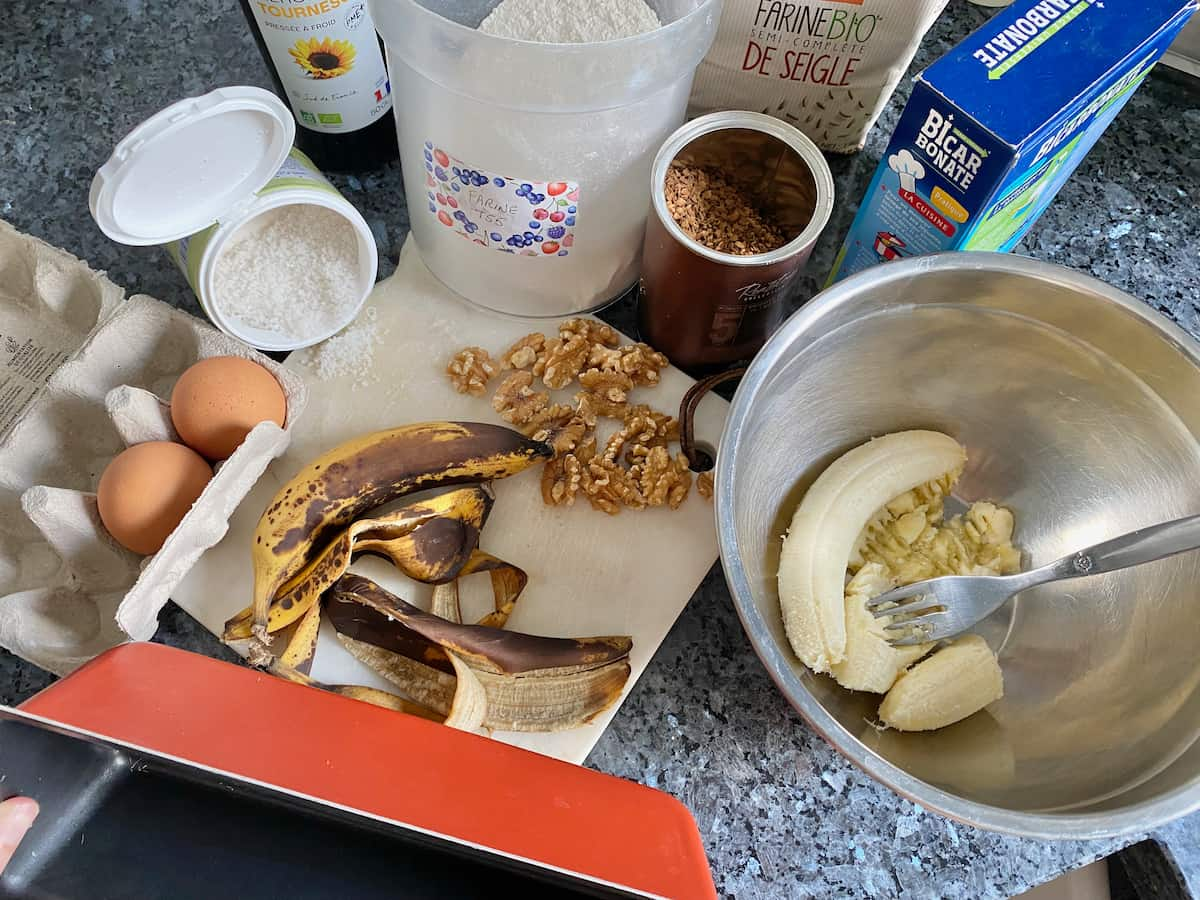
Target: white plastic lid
[(185, 166)]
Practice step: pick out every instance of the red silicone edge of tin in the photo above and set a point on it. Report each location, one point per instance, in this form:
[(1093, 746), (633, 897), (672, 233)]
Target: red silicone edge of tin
[(334, 750)]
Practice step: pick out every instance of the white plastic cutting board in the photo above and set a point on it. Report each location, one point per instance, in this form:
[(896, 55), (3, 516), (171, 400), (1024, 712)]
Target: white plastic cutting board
[(589, 573)]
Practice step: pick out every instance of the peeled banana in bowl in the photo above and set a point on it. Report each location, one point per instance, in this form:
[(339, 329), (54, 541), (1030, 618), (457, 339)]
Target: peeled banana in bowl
[(871, 663), (826, 526), (871, 521), (960, 679)]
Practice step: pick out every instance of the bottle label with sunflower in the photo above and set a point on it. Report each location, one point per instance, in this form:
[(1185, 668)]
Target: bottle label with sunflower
[(328, 59)]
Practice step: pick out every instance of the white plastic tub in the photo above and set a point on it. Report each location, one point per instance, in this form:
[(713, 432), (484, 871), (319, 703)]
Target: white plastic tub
[(480, 116), (206, 169)]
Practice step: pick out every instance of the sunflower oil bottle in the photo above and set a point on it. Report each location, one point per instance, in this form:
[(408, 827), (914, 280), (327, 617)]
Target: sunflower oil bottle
[(327, 63)]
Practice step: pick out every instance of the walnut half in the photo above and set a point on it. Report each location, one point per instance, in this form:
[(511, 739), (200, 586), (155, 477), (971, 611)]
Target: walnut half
[(470, 369), (561, 480), (524, 353), (607, 393), (663, 481), (516, 401), (562, 477), (562, 362), (608, 487), (559, 426), (641, 362), (590, 330)]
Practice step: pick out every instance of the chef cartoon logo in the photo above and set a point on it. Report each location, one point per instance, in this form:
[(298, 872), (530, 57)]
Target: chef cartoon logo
[(908, 168)]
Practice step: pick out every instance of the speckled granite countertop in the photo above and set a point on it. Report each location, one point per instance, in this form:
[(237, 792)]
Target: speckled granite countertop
[(782, 814)]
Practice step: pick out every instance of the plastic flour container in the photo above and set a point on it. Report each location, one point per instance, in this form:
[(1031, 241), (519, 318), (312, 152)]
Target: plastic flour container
[(204, 175), (527, 165)]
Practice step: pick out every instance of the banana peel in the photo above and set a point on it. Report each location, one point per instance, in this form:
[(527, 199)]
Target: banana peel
[(508, 581), (430, 541), (302, 645), (445, 603), (354, 692), (468, 711), (542, 702), (484, 648), (545, 698), (363, 473), (467, 676)]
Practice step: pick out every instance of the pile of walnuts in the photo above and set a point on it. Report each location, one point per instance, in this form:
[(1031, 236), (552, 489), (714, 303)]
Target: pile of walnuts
[(635, 467)]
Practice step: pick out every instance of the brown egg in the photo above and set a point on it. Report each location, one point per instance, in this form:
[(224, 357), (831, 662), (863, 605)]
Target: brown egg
[(218, 400), (146, 491)]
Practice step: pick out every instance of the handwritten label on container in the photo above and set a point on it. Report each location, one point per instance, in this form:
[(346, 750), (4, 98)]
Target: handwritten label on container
[(523, 217)]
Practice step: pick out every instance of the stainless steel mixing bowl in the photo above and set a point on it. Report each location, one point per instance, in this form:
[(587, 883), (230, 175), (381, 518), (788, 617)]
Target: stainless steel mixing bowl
[(1080, 409)]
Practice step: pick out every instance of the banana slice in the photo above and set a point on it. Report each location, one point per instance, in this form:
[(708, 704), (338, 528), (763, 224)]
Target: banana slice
[(956, 681), (826, 527), (871, 663)]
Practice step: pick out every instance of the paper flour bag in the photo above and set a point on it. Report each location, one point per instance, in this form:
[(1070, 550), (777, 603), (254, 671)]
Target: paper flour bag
[(826, 66)]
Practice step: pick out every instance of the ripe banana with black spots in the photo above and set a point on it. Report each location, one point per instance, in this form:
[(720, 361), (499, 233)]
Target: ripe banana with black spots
[(363, 473)]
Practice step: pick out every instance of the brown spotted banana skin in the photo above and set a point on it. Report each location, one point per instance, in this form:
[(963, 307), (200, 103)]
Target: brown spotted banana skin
[(553, 700), (430, 540), (531, 683), (365, 472), (483, 648)]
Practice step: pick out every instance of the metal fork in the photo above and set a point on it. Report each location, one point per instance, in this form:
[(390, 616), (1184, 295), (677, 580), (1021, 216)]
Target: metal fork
[(943, 607)]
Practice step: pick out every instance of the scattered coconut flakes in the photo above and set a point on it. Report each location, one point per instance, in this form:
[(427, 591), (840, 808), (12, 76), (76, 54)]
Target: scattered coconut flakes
[(351, 352)]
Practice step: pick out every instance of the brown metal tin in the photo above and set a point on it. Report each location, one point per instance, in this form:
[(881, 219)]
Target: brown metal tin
[(706, 309)]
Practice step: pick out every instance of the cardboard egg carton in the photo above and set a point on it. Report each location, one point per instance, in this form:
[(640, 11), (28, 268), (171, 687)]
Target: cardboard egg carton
[(83, 374)]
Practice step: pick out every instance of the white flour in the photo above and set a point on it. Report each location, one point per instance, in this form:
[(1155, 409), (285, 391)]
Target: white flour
[(565, 157), (570, 21), (292, 271)]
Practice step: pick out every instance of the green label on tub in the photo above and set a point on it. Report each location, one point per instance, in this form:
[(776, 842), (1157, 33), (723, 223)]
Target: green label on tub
[(298, 171), (187, 253)]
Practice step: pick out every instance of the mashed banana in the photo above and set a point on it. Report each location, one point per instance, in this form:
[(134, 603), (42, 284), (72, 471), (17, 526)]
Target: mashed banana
[(910, 539)]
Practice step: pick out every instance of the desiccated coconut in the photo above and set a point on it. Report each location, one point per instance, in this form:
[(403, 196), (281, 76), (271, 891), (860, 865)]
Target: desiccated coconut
[(293, 271), (350, 352)]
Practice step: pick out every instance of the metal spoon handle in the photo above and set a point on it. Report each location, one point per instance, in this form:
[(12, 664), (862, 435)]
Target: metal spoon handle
[(1132, 549)]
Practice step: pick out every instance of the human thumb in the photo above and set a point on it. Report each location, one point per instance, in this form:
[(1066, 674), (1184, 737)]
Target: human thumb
[(16, 815)]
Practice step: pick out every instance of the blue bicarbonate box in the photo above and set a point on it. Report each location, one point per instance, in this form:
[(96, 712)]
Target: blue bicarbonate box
[(994, 128)]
